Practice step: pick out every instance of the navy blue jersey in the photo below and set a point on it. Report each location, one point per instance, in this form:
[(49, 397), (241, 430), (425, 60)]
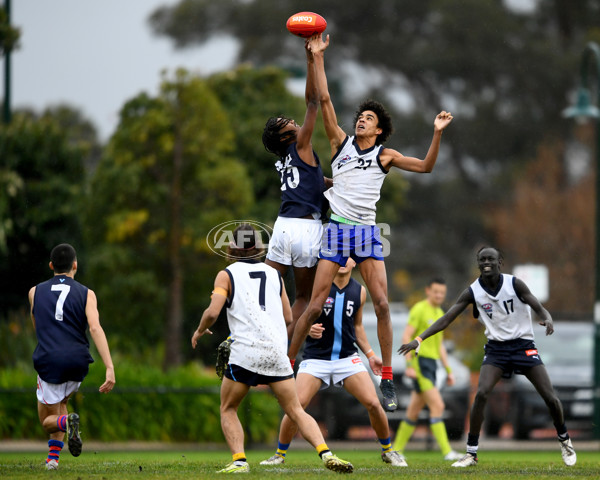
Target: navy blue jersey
[(337, 318), (62, 353), (302, 185)]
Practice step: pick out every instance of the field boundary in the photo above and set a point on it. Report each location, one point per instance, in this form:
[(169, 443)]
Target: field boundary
[(484, 444)]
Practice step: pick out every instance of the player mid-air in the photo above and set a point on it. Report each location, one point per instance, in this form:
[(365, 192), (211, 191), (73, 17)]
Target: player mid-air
[(359, 164)]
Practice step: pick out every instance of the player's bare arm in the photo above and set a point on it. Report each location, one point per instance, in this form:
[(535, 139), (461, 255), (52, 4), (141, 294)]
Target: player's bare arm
[(454, 311), (219, 296), (392, 158), (31, 296), (335, 134), (407, 336), (303, 139), (285, 303), (99, 338), (545, 319)]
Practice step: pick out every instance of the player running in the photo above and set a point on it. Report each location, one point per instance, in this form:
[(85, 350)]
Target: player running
[(258, 310), (331, 357), (61, 310), (359, 163), (503, 303)]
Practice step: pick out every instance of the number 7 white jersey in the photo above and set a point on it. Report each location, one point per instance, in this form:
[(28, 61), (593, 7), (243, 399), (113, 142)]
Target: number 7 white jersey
[(255, 318), (503, 313)]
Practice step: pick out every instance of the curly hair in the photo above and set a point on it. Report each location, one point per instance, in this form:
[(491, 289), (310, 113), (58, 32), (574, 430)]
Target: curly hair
[(273, 140), (384, 120)]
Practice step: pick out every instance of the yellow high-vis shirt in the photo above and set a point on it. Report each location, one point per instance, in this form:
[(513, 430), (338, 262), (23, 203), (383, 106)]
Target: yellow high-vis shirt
[(421, 316)]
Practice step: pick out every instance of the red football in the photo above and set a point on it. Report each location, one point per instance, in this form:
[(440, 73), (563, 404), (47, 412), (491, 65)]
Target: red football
[(306, 24)]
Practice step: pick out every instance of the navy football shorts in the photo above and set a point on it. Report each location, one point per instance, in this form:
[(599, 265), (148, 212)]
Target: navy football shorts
[(240, 374), (512, 356)]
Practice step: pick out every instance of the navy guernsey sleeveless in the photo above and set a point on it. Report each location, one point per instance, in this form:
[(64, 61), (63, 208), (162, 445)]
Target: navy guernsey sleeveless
[(62, 353), (302, 185), (337, 318)]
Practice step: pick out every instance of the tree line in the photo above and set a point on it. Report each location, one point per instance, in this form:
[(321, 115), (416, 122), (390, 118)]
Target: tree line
[(138, 208)]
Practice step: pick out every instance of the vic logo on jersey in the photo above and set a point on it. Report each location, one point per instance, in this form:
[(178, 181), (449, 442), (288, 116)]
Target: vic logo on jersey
[(328, 305), (488, 309)]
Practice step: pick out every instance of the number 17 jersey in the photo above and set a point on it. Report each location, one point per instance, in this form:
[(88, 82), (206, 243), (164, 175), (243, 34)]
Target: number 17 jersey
[(504, 314)]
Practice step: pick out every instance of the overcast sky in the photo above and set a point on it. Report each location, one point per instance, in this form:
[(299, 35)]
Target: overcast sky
[(95, 55)]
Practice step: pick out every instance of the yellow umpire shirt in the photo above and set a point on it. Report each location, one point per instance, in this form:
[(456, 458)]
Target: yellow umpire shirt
[(421, 316)]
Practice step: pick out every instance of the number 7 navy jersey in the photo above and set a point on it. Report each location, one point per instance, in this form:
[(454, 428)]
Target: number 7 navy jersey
[(62, 353), (337, 317), (302, 185)]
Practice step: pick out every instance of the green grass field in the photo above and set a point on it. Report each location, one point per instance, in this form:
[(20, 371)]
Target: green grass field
[(301, 464)]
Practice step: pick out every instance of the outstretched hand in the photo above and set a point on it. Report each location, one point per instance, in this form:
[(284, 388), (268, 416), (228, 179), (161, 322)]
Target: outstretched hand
[(376, 365), (442, 120), (407, 347), (549, 324), (316, 44), (197, 335)]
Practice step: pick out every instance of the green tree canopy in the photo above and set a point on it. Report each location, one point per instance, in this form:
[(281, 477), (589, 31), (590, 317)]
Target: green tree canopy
[(42, 179), (168, 175)]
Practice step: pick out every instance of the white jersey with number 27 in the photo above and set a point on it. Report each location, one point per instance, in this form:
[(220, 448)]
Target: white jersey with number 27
[(357, 179), (255, 318)]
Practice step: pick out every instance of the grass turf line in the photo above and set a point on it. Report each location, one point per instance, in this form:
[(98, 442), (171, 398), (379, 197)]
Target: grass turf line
[(300, 464)]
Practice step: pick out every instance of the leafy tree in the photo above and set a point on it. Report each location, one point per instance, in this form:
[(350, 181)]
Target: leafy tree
[(560, 227), (80, 131), (168, 175), (42, 180)]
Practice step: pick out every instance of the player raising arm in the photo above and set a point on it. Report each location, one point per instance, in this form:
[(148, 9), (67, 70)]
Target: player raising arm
[(359, 164), (297, 231)]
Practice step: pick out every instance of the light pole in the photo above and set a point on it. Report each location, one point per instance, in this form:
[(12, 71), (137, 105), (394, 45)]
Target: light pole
[(585, 110), (6, 113)]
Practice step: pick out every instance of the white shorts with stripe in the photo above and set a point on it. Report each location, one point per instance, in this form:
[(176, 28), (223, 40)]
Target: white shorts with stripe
[(52, 393), (295, 241), (332, 372)]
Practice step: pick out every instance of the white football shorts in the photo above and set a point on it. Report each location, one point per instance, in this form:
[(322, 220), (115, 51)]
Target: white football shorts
[(295, 241), (53, 393), (332, 372)]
